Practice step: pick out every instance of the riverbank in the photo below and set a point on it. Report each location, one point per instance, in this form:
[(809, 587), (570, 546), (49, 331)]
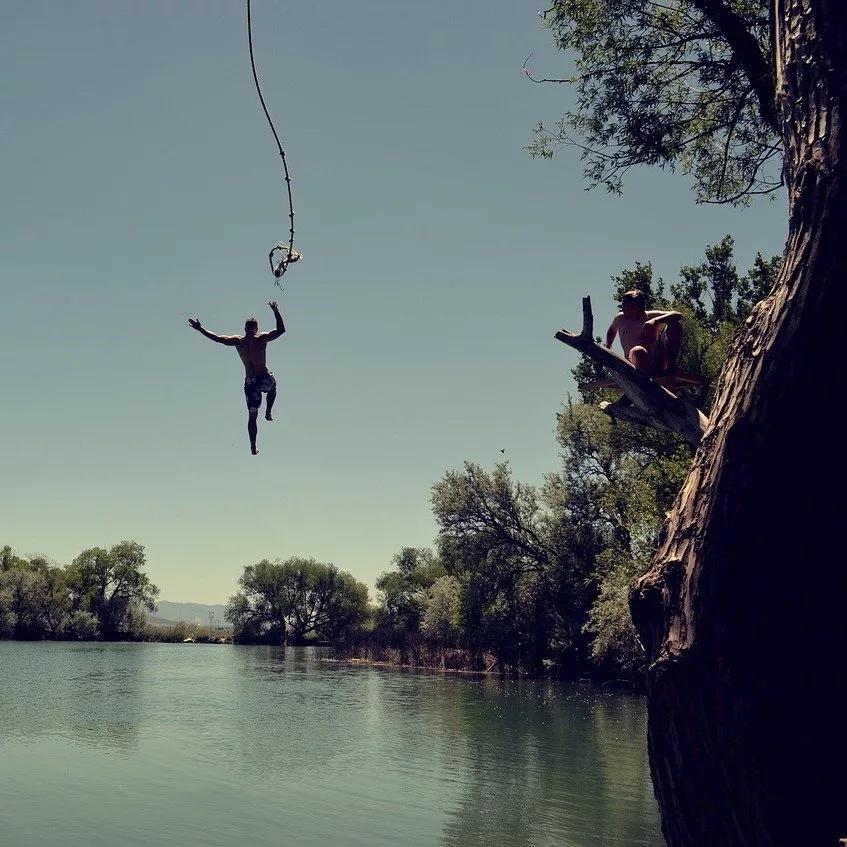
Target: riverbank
[(186, 633), (463, 663), (395, 666)]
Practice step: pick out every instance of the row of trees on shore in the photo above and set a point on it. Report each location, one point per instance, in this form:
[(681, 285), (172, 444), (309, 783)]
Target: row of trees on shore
[(103, 593), (520, 577)]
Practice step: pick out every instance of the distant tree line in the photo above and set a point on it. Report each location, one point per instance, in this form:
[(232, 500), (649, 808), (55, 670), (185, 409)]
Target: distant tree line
[(101, 594)]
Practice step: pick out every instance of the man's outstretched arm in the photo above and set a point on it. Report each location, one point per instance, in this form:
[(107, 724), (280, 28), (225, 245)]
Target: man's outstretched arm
[(229, 340), (280, 326)]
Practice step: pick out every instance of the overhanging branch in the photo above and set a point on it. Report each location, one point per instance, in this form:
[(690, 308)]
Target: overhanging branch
[(644, 402), (747, 52)]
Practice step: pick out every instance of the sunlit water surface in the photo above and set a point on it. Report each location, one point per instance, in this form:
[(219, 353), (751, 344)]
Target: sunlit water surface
[(181, 745)]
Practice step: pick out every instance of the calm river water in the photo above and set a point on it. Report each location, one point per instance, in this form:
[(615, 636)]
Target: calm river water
[(193, 745)]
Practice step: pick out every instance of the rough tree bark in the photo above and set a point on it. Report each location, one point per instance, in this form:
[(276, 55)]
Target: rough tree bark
[(744, 613)]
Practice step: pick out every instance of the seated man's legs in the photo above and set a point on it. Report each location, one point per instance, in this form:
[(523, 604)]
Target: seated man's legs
[(671, 346), (642, 358)]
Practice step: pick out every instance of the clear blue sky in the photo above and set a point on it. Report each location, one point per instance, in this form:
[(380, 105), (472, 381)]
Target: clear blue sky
[(141, 186)]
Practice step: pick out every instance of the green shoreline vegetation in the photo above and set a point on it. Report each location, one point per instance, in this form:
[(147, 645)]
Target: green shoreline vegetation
[(521, 579)]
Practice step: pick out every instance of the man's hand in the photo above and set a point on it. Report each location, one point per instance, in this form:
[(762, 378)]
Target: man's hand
[(280, 326), (194, 323)]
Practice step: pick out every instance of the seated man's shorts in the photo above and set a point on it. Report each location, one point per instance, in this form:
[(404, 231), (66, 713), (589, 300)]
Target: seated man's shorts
[(255, 385)]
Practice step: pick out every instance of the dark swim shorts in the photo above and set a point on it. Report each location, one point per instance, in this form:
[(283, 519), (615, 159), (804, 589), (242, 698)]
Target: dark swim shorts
[(255, 385)]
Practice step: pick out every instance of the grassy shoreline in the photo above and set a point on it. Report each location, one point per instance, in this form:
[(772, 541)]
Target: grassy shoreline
[(395, 666)]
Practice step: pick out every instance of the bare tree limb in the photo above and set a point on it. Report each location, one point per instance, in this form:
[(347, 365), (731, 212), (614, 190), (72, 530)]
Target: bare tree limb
[(645, 401), (746, 50)]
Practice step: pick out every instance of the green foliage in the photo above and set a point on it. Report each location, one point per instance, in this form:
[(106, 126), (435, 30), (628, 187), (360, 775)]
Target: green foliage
[(54, 600), (403, 592), (102, 594), (715, 293), (663, 84), (614, 644), (181, 632), (9, 560), (7, 616), (34, 600), (495, 537), (294, 600), (441, 613), (110, 585), (23, 590), (535, 576), (254, 620), (490, 520), (82, 626)]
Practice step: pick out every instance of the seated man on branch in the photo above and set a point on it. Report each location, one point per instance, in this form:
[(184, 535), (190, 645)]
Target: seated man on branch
[(651, 339)]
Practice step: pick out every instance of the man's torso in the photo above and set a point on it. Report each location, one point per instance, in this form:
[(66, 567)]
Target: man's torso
[(253, 354), (633, 332)]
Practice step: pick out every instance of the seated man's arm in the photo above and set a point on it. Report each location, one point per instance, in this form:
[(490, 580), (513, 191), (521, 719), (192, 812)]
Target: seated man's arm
[(229, 340), (611, 333), (657, 317), (280, 326)]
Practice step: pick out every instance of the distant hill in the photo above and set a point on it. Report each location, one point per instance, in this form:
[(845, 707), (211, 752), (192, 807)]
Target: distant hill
[(167, 612), (156, 621)]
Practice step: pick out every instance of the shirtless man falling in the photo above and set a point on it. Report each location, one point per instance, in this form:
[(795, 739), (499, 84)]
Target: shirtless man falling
[(257, 378), (652, 351)]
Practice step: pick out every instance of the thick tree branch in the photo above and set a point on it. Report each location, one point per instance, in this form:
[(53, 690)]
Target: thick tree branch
[(645, 401), (745, 48)]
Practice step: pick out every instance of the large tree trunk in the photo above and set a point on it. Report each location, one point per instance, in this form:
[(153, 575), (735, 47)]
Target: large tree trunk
[(744, 614)]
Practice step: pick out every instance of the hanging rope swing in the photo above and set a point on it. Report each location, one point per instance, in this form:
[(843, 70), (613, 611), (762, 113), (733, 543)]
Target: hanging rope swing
[(278, 265)]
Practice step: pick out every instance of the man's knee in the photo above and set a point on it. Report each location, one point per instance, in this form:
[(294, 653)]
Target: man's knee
[(641, 358), (252, 413)]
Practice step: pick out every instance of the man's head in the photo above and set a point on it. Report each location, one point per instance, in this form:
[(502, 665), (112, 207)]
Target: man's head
[(251, 327), (633, 303)]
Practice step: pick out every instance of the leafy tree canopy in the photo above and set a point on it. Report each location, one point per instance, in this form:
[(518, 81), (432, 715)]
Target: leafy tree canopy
[(679, 84), (402, 591), (294, 600), (110, 585), (102, 593)]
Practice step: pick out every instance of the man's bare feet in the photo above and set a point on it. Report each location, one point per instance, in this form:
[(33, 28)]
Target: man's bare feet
[(268, 416), (254, 451)]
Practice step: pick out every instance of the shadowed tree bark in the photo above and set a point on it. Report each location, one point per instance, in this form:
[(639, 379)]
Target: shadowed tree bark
[(743, 613)]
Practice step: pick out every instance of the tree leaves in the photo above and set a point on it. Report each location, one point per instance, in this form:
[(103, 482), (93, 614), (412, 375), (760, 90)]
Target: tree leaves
[(294, 600), (679, 84)]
